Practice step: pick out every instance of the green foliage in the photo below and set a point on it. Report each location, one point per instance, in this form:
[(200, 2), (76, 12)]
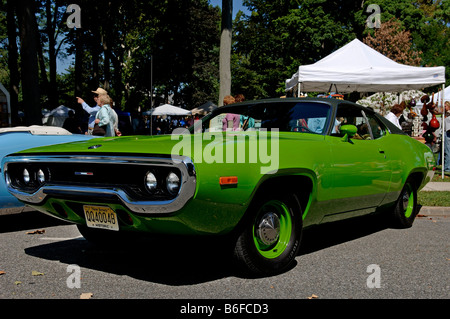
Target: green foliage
[(120, 40), (279, 36)]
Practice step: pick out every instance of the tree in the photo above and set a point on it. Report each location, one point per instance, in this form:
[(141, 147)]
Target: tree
[(29, 62), (14, 78), (225, 50), (52, 30), (394, 43), (280, 35), (433, 38)]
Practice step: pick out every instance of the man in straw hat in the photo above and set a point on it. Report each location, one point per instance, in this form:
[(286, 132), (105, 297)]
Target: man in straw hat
[(92, 111)]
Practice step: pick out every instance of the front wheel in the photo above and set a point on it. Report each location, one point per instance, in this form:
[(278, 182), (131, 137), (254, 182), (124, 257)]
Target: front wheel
[(405, 210), (270, 242)]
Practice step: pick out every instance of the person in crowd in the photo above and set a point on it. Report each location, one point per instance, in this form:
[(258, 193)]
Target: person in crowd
[(105, 118), (92, 111), (71, 124), (231, 121), (116, 117), (393, 115), (239, 98), (447, 138)]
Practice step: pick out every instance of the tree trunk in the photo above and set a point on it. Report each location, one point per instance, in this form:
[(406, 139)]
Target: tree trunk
[(52, 85), (78, 63), (96, 52), (225, 50), (30, 69), (13, 57), (107, 64)]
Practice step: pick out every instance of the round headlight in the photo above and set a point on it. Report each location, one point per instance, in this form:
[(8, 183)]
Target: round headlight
[(26, 176), (151, 182), (173, 183), (40, 176)]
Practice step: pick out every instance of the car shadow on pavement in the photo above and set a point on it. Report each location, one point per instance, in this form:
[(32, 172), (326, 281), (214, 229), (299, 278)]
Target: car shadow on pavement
[(27, 220), (164, 261), (335, 233), (186, 261)]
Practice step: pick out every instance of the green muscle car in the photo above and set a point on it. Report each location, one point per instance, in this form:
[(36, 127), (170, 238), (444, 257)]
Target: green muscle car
[(258, 172)]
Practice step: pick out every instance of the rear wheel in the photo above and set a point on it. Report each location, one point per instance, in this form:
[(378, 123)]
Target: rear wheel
[(405, 210), (271, 239)]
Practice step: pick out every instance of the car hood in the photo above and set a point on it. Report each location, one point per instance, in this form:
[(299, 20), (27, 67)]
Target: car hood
[(128, 144), (163, 144)]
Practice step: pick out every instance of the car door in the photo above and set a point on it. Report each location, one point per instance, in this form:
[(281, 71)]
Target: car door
[(361, 172)]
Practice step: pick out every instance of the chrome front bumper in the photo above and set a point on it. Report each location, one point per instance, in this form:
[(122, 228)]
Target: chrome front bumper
[(182, 163)]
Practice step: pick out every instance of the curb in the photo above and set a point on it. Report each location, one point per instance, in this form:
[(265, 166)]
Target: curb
[(436, 187), (426, 211)]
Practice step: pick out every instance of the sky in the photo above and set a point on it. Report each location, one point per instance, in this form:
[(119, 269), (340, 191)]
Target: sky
[(237, 5)]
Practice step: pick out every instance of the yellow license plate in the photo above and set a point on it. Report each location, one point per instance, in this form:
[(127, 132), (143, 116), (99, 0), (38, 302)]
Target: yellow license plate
[(100, 217)]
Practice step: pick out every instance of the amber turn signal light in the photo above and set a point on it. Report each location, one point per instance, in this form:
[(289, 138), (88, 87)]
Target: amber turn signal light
[(228, 180)]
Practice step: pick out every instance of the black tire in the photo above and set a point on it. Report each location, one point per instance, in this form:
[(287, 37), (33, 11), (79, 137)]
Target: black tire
[(405, 209), (270, 239)]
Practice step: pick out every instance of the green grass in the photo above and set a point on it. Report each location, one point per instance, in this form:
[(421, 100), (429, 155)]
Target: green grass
[(440, 199), (438, 176)]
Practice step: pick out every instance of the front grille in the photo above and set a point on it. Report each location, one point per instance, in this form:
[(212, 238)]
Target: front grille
[(172, 182), (127, 177)]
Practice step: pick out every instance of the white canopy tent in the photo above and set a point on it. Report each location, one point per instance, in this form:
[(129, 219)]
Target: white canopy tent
[(441, 96), (57, 116), (167, 109), (204, 109), (358, 67)]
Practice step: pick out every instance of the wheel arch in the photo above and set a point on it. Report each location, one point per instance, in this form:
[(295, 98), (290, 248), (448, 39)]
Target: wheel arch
[(302, 183), (416, 178)]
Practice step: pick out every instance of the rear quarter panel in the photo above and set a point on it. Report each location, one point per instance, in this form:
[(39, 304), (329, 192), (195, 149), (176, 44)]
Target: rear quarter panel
[(407, 156)]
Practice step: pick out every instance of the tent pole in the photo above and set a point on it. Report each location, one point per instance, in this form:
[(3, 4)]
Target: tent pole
[(443, 131), (299, 89)]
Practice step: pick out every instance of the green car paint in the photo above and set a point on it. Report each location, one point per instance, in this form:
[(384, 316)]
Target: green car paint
[(333, 175)]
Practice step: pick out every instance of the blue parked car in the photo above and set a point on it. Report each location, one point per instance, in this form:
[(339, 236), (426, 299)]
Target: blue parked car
[(14, 139)]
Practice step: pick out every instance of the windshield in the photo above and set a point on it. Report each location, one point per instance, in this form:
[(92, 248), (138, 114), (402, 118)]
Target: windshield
[(306, 117)]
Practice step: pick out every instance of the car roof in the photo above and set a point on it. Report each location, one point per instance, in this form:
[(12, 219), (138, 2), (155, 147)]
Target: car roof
[(330, 101)]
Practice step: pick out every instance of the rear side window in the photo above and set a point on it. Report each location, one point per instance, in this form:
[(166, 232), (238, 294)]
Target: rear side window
[(376, 126)]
